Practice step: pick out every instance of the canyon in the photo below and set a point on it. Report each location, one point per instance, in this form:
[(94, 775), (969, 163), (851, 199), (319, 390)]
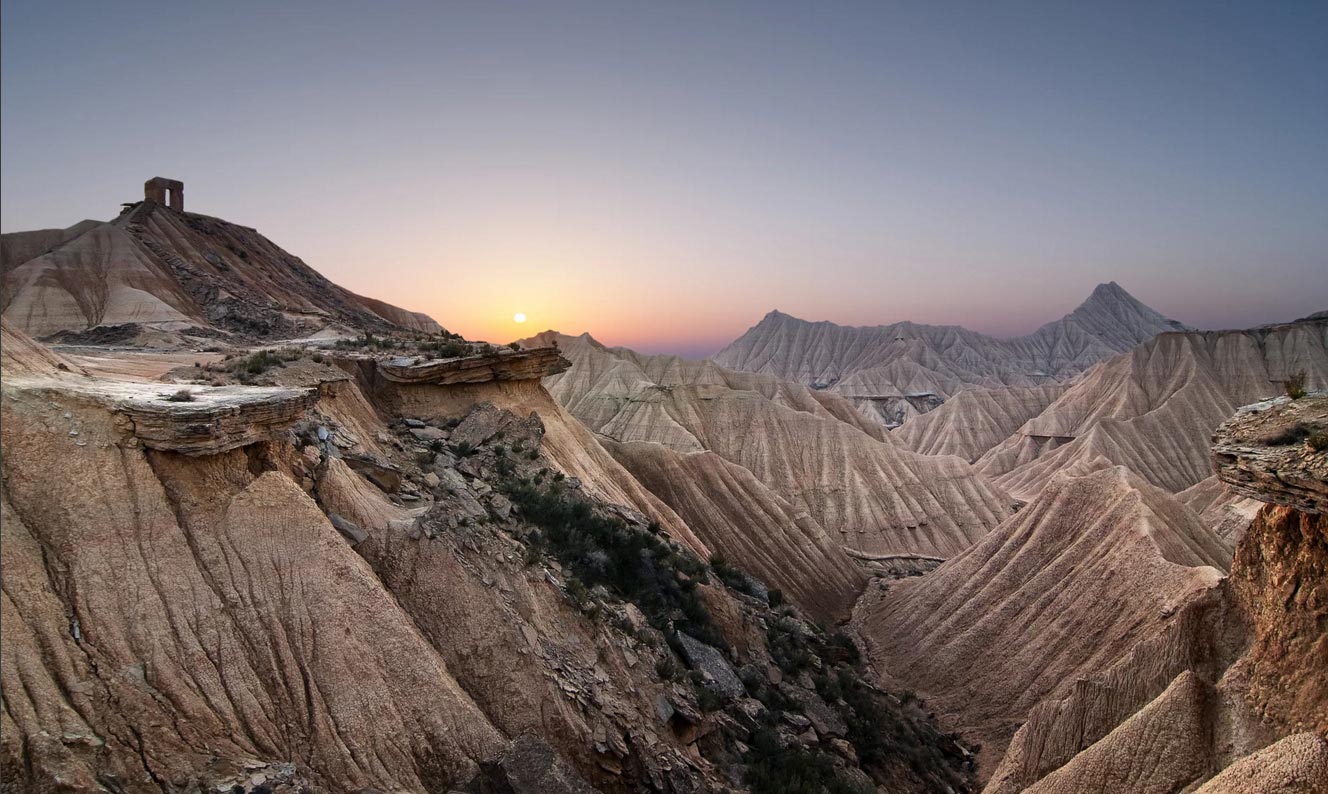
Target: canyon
[(263, 535)]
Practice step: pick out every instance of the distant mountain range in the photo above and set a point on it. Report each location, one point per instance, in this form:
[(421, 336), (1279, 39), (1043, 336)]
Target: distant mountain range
[(893, 372)]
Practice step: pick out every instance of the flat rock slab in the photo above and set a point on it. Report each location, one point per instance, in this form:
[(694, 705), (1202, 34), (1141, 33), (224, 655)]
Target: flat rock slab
[(216, 420)]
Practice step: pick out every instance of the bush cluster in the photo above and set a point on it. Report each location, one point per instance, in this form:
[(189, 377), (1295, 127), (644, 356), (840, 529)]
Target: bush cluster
[(605, 551), (887, 736), (261, 361)]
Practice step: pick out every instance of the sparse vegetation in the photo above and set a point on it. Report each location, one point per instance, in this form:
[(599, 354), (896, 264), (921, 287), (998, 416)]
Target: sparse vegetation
[(181, 396), (1295, 385), (261, 361), (1319, 441), (605, 551), (731, 577), (775, 769)]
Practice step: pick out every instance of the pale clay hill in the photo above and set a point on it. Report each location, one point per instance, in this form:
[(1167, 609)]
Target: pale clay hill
[(816, 461), (1093, 644), (895, 372), (172, 271), (1153, 409), (192, 609)]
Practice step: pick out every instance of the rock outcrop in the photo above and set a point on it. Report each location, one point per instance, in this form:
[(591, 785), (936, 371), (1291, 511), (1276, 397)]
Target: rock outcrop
[(895, 372), (1267, 451), (500, 365), (974, 421), (257, 613), (212, 420), (1222, 668)]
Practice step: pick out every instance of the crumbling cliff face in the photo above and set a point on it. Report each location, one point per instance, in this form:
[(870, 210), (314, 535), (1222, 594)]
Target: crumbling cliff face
[(369, 584)]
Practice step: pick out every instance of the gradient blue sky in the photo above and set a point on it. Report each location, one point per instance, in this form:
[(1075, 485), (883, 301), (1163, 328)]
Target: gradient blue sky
[(662, 174)]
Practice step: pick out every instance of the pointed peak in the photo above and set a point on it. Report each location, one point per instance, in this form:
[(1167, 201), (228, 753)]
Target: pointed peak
[(1111, 291)]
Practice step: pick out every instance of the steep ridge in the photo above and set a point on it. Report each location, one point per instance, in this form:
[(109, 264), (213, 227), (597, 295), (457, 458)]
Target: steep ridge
[(791, 551), (895, 372), (1223, 666), (974, 421), (810, 449), (1154, 409), (1042, 601), (172, 270)]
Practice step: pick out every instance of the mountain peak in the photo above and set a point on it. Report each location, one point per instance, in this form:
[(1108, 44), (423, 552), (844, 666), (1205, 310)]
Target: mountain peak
[(1110, 292)]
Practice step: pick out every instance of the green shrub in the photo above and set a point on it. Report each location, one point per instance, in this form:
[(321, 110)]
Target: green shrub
[(772, 769), (181, 396), (1295, 385), (603, 550), (257, 363), (732, 578), (1318, 442)]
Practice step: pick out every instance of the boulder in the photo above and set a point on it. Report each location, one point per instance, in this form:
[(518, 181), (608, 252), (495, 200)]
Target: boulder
[(719, 676)]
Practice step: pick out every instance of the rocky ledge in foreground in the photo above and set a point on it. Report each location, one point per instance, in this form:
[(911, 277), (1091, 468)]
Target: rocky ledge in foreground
[(500, 365), (211, 420), (1274, 451)]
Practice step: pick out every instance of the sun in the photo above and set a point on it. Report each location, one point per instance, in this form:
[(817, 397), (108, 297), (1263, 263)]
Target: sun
[(519, 317)]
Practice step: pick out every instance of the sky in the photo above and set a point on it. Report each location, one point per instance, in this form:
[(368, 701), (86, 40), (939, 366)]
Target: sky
[(663, 174)]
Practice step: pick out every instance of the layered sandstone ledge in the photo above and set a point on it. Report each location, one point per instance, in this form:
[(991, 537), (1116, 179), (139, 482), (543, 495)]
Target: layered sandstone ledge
[(501, 365), (217, 419), (212, 421), (1264, 452)]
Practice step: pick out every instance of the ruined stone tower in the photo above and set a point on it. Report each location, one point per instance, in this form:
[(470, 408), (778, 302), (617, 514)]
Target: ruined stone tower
[(157, 189)]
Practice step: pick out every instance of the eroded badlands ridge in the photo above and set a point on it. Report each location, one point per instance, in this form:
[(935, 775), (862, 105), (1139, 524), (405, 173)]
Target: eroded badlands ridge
[(1136, 665), (160, 268), (818, 468), (415, 585), (894, 372)]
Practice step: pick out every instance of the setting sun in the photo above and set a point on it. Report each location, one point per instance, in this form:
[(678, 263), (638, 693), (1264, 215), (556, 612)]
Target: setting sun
[(519, 317)]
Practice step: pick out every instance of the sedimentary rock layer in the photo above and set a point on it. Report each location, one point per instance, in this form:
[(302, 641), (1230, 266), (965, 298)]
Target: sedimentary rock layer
[(156, 266), (501, 365), (969, 424)]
